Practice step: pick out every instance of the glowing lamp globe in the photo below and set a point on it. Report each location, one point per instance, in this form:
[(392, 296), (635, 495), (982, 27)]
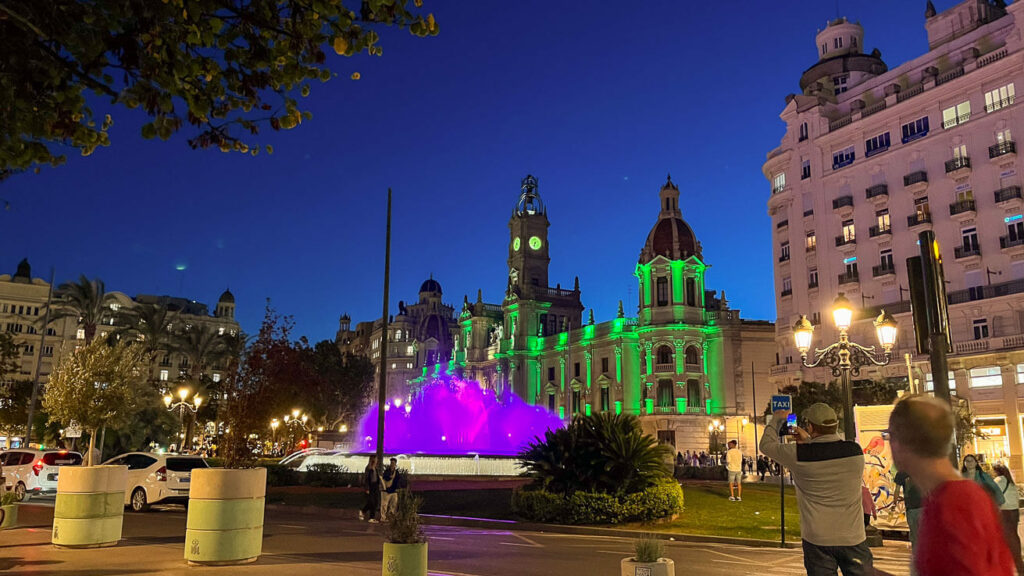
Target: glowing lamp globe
[(842, 312), (167, 400), (183, 393), (887, 329), (197, 400), (803, 330)]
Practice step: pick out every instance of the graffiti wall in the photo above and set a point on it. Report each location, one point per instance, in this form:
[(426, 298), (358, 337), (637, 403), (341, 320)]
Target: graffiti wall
[(879, 472)]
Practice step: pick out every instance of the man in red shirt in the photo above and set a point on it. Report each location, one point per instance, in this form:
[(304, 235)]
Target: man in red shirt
[(959, 533)]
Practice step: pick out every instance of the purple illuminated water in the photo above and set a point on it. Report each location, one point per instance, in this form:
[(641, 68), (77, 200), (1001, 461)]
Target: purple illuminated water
[(456, 416)]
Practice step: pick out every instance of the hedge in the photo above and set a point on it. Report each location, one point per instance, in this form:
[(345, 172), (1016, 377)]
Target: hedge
[(658, 501), (701, 473)]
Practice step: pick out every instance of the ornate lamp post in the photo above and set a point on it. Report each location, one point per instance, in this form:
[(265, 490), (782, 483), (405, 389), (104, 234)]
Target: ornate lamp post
[(181, 406), (715, 428), (845, 358), (295, 420)]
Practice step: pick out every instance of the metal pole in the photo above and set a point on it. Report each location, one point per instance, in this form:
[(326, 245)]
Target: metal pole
[(382, 384), (39, 361), (910, 375), (849, 427), (782, 504), (753, 386)]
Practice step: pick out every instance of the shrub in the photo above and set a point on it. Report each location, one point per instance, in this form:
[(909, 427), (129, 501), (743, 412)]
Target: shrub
[(648, 549), (7, 497), (278, 475), (661, 500), (701, 472), (326, 475), (403, 525)]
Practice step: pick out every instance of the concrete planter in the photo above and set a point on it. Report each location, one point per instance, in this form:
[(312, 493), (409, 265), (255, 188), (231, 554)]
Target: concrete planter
[(8, 516), (663, 567), (225, 516), (405, 559), (89, 507)]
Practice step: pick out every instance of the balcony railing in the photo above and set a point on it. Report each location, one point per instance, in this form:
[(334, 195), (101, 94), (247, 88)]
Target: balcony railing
[(787, 293), (808, 213), (919, 219), (957, 163), (665, 410), (951, 75), (848, 277), (961, 206), (842, 201), (1007, 194), (878, 231), (843, 240), (955, 297), (1002, 148), (947, 124), (813, 284), (966, 251), (915, 177), (882, 270), (997, 104), (877, 190), (782, 224), (784, 257), (1007, 242)]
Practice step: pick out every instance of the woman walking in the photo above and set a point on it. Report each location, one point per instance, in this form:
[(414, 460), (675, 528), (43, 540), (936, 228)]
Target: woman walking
[(371, 485), (1009, 512), (972, 471)]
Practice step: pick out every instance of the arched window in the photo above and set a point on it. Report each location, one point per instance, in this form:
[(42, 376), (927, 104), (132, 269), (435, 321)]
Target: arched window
[(691, 292), (662, 285), (693, 394), (692, 356), (664, 355), (665, 393)]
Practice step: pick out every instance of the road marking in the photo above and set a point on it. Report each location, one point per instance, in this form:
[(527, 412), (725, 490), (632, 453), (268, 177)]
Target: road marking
[(441, 538), (296, 526), (539, 545)]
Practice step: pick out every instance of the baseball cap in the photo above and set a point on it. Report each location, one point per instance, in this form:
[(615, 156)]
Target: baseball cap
[(821, 414)]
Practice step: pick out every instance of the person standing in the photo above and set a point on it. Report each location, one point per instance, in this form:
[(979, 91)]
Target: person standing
[(827, 471), (389, 489), (972, 471), (734, 469), (371, 485), (958, 518), (912, 504), (1009, 512), (762, 466)]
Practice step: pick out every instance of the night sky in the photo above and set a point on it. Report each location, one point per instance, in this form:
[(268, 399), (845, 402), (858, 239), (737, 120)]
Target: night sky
[(599, 100)]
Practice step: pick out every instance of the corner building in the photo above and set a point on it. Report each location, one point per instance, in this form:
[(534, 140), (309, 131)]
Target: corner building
[(683, 361), (871, 157)]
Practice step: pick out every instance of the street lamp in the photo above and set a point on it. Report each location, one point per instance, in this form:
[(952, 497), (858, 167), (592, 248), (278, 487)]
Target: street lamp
[(295, 420), (181, 406), (845, 358), (715, 428)]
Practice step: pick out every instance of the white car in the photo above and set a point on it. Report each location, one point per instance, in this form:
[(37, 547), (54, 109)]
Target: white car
[(157, 478), (29, 472)]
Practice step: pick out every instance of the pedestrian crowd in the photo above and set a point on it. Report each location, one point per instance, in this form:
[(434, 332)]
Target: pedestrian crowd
[(381, 488)]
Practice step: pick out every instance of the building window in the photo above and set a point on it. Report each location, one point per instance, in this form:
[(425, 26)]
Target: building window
[(779, 183), (576, 370), (803, 131), (551, 402), (921, 210), (999, 98), (691, 292), (843, 157), (692, 356), (664, 355), (824, 49), (960, 152), (969, 239), (551, 373), (812, 242), (1020, 373), (849, 233), (784, 252), (916, 129), (47, 350), (851, 266), (575, 401), (980, 329), (841, 80), (805, 169), (883, 220), (605, 399), (929, 385), (1003, 136), (1015, 229), (216, 377), (955, 115), (662, 291), (787, 286), (877, 144), (163, 375), (885, 259), (29, 348), (986, 377), (665, 394), (604, 365), (812, 278)]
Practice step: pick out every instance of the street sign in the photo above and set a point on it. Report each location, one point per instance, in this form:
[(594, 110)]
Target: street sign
[(782, 402), (73, 430)]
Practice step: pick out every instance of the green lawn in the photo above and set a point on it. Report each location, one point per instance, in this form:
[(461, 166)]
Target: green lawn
[(709, 511)]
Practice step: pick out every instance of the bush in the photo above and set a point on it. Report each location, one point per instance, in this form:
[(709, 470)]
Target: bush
[(403, 524), (663, 499), (701, 473), (278, 475), (648, 549), (325, 475)]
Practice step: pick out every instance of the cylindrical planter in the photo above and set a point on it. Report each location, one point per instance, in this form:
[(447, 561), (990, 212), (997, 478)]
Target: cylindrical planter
[(10, 516), (89, 507), (663, 567), (405, 559), (225, 516)]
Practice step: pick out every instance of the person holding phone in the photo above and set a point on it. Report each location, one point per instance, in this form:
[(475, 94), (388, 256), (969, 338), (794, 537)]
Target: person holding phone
[(827, 471)]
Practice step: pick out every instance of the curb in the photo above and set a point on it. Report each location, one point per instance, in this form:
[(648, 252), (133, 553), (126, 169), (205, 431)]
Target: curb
[(439, 520)]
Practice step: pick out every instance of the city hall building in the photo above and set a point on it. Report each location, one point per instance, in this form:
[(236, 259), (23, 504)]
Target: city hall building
[(683, 361), (871, 157)]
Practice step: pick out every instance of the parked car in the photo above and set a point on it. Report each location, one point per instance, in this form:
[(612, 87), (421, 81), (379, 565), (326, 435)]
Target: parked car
[(30, 472), (157, 478)]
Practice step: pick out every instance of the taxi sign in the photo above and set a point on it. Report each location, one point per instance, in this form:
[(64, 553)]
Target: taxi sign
[(782, 402)]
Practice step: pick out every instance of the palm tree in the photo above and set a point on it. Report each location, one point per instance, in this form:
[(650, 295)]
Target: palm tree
[(86, 300), (203, 345), (149, 324)]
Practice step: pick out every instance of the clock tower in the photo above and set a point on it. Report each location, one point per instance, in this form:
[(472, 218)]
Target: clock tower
[(528, 243)]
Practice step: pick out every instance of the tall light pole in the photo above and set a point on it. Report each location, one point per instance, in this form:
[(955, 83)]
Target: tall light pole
[(845, 358), (181, 406), (382, 383)]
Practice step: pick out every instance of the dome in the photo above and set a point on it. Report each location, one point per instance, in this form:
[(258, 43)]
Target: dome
[(430, 285), (226, 298), (671, 236)]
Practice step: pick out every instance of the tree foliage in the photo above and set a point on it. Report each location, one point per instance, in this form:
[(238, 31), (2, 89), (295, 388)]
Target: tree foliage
[(598, 453), (87, 301), (97, 385), (223, 67), (343, 387)]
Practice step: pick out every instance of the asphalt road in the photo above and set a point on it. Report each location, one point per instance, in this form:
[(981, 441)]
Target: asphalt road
[(296, 544)]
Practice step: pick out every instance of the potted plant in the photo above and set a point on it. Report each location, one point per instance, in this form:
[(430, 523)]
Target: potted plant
[(405, 546), (647, 560), (8, 509), (97, 385)]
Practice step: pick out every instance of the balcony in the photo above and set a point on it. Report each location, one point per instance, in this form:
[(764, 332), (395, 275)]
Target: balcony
[(875, 231), (918, 220), (958, 167), (849, 277), (916, 181), (844, 241), (842, 202), (880, 191), (782, 224), (961, 207), (808, 213), (1007, 243), (665, 410), (787, 293), (998, 104), (664, 367), (884, 269), (1007, 194), (953, 122), (1002, 149), (784, 258), (966, 251), (812, 285)]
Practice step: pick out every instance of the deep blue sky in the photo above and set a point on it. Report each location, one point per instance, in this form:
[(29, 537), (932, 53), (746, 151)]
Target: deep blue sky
[(599, 100)]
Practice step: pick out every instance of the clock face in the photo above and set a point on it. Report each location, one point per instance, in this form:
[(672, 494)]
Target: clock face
[(535, 243), (515, 244)]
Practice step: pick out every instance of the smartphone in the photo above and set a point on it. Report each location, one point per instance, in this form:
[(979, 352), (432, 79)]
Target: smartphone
[(787, 430)]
